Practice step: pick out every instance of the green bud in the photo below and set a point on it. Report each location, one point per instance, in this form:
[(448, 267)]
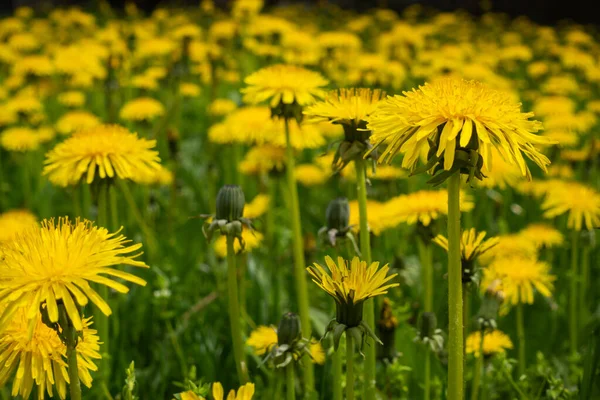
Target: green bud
[(427, 325), (338, 214), (289, 330), (230, 203)]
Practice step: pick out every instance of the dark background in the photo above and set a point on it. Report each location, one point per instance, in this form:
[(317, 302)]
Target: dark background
[(541, 11)]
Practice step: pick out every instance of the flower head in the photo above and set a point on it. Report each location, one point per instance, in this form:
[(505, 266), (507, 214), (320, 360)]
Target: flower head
[(345, 106), (284, 84), (542, 235), (20, 139), (57, 262), (142, 109), (262, 339), (494, 342), (14, 222), (472, 244), (107, 151), (75, 121), (581, 202), (519, 277), (452, 118), (244, 392)]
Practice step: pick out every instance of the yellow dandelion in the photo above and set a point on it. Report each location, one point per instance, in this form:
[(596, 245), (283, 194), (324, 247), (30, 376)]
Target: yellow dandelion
[(263, 159), (494, 342), (285, 84), (144, 81), (519, 277), (510, 245), (142, 109), (257, 207), (311, 175), (188, 89), (345, 106), (502, 174), (317, 352), (24, 104), (107, 151), (455, 114), (262, 339), (377, 218), (252, 240), (75, 121), (352, 282), (542, 235), (14, 222), (582, 203), (20, 139), (72, 98), (221, 107), (57, 262), (472, 244), (161, 176), (243, 393)]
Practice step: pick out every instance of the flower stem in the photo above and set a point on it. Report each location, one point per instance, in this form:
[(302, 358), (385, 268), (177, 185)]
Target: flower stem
[(427, 388), (455, 328), (573, 291), (234, 314), (521, 337), (289, 378), (101, 318), (425, 256), (74, 384), (349, 368), (479, 372), (337, 375), (298, 248), (585, 282), (365, 249)]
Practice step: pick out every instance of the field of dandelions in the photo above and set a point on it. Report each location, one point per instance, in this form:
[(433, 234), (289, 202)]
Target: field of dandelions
[(297, 202)]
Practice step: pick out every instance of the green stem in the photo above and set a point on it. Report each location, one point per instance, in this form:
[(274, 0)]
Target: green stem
[(478, 369), (26, 181), (365, 249), (298, 248), (337, 375), (77, 202), (425, 256), (101, 319), (114, 210), (349, 368), (455, 328), (74, 384), (234, 314), (427, 395), (289, 379), (573, 291), (585, 282), (521, 337)]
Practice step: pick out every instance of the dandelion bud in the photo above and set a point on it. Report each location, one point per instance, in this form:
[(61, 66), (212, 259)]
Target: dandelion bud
[(427, 325), (386, 327), (338, 214), (490, 304), (289, 330), (230, 203)]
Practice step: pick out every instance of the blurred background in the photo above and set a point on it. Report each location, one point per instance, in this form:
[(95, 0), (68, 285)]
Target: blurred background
[(541, 11)]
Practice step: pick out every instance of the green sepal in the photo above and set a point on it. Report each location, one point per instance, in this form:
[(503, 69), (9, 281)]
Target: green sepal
[(358, 336), (338, 331), (367, 329)]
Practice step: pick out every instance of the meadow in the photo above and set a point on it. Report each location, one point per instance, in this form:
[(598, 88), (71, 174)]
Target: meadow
[(298, 202)]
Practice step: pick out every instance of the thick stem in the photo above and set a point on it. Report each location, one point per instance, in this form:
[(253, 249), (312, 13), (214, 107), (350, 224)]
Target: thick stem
[(573, 291), (298, 248), (521, 337), (114, 208), (234, 314), (349, 368), (74, 384), (455, 328), (289, 379), (427, 388), (101, 318), (337, 375), (365, 249)]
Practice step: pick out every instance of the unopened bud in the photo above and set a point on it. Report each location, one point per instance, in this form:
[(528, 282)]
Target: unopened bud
[(230, 203), (289, 330), (338, 214)]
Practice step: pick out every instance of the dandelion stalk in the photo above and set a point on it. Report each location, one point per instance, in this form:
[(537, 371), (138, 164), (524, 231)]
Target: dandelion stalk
[(521, 337), (234, 314), (479, 372), (70, 336), (585, 282), (337, 375), (299, 263), (425, 255), (455, 329), (101, 319), (349, 368), (573, 291), (365, 249), (289, 378)]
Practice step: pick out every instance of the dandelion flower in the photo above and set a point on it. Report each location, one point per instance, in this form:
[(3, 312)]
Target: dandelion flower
[(472, 244), (20, 139), (311, 175), (221, 107), (107, 151), (542, 235), (345, 106), (14, 222), (252, 240), (285, 84), (243, 393), (58, 261), (75, 121), (519, 277), (494, 342), (317, 352), (142, 109), (509, 245), (581, 202), (262, 339), (72, 98), (257, 207), (188, 89), (455, 115), (39, 356), (263, 159)]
